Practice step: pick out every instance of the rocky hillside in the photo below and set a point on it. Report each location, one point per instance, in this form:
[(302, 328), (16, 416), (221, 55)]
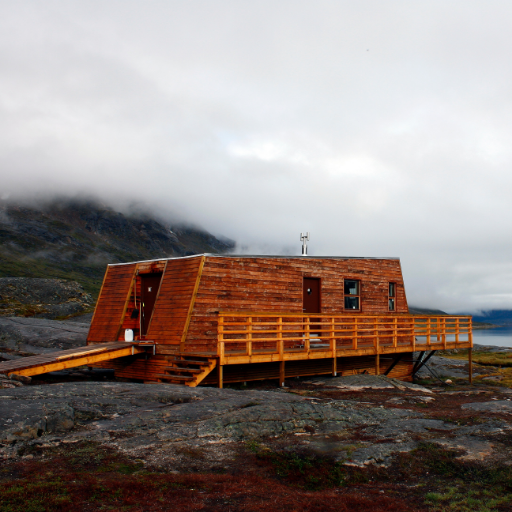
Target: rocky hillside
[(43, 298), (76, 239)]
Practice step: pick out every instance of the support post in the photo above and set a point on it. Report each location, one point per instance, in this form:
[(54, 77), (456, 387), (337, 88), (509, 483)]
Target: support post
[(418, 362), (220, 376), (377, 364), (422, 363), (470, 361), (281, 373)]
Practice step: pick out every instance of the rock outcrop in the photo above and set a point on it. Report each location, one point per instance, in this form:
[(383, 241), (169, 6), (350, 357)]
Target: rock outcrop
[(160, 421), (42, 298)]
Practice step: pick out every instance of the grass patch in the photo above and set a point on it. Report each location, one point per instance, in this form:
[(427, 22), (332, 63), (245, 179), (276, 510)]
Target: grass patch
[(89, 477), (503, 359)]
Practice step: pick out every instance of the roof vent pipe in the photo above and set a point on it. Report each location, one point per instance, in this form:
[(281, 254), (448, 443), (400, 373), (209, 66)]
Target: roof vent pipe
[(304, 239)]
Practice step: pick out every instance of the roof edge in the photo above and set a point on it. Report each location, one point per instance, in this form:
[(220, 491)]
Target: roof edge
[(212, 255)]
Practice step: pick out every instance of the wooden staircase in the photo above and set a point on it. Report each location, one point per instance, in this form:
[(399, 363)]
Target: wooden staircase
[(187, 369)]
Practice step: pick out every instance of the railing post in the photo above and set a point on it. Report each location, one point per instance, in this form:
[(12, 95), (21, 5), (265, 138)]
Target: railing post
[(413, 329), (332, 339), (470, 331), (395, 332), (333, 349), (249, 336), (354, 334), (429, 331), (456, 331), (280, 340), (376, 333), (220, 340), (443, 335), (306, 342), (221, 352), (220, 333)]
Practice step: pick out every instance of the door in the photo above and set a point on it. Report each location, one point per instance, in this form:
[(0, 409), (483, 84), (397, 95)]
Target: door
[(311, 303), (149, 284), (311, 295)]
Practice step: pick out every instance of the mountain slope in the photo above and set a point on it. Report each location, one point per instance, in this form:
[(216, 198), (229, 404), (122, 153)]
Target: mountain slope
[(495, 316), (76, 239)]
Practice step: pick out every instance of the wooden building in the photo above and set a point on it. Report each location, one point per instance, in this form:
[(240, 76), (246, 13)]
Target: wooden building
[(212, 319)]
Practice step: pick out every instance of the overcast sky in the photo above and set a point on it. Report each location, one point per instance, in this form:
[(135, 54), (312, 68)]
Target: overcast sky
[(383, 128)]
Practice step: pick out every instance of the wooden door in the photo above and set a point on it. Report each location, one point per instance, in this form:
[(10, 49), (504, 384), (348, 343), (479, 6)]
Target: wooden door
[(149, 290), (311, 302), (311, 295)]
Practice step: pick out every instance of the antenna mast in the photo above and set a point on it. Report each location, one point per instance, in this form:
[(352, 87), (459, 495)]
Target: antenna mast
[(304, 238)]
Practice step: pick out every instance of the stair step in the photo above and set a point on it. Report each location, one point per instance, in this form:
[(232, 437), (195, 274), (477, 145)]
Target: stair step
[(179, 370), (174, 377), (197, 363)]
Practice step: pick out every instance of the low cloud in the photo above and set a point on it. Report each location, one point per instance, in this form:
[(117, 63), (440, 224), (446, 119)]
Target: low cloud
[(381, 128)]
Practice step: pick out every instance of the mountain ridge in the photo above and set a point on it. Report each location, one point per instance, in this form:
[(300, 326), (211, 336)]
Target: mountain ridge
[(75, 239)]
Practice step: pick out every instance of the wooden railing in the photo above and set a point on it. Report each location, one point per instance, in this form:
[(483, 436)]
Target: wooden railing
[(248, 334)]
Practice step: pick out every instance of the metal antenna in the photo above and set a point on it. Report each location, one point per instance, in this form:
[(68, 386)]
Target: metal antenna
[(304, 239)]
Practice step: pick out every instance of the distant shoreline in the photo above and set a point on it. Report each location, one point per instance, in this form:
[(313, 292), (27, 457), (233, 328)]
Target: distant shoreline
[(481, 326)]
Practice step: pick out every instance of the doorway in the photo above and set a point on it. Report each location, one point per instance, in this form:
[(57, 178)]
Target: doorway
[(311, 303), (311, 295), (149, 283)]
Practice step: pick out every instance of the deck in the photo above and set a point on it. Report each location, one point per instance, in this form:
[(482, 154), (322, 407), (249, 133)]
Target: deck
[(245, 338), (261, 337)]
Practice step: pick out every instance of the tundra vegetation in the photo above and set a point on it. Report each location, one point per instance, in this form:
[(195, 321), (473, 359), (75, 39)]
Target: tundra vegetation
[(360, 443)]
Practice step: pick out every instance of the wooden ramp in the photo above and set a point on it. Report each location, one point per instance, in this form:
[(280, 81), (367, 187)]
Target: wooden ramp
[(63, 359)]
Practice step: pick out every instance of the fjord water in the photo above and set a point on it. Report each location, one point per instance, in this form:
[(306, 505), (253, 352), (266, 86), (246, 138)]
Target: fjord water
[(499, 337)]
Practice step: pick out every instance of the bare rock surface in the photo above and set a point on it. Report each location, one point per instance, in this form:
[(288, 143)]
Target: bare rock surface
[(28, 336), (161, 422), (359, 382), (494, 406), (445, 368)]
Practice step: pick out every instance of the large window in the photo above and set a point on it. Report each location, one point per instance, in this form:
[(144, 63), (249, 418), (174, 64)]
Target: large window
[(392, 296), (352, 290)]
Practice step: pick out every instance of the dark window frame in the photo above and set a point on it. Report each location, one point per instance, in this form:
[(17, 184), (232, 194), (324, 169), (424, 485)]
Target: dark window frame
[(349, 296), (392, 296)]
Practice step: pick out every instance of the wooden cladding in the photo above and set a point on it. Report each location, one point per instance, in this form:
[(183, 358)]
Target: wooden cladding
[(172, 310), (112, 303), (276, 284)]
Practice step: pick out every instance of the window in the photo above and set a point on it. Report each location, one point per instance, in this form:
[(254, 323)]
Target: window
[(392, 296), (352, 294)]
